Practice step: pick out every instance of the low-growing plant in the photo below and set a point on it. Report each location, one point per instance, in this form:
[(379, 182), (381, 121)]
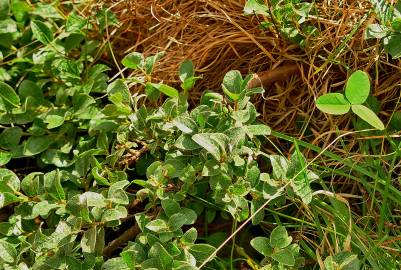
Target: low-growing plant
[(389, 27), (288, 18), (357, 92), (96, 176)]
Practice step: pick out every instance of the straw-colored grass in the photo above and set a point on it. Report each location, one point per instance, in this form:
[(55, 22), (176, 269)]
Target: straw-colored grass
[(218, 38)]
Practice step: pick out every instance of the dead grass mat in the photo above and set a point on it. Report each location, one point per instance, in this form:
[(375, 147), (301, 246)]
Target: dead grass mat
[(218, 38)]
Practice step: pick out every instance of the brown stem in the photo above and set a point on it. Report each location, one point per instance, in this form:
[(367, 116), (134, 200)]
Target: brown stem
[(266, 78), (121, 240)]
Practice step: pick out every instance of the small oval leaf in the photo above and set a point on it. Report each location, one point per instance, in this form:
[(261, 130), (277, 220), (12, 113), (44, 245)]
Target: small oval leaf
[(168, 90), (368, 115), (358, 87), (333, 103), (8, 95), (41, 32)]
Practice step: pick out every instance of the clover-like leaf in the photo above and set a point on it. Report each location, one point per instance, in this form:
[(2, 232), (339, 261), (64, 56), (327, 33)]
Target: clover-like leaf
[(358, 87), (333, 103), (279, 237), (262, 245), (368, 115)]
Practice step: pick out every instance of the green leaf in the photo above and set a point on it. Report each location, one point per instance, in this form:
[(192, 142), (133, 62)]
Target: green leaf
[(176, 221), (117, 193), (376, 31), (10, 137), (133, 60), (93, 240), (41, 32), (279, 237), (392, 45), (257, 7), (94, 199), (42, 209), (190, 215), (8, 95), (185, 124), (357, 88), (190, 236), (205, 140), (232, 83), (5, 157), (368, 115), (114, 214), (7, 26), (9, 181), (168, 90), (300, 177), (159, 252), (170, 207), (185, 142), (284, 256), (115, 263), (201, 251), (258, 130), (36, 144), (4, 9), (279, 165), (20, 9), (53, 186), (54, 120), (133, 254), (30, 184), (157, 225), (8, 253), (333, 103), (186, 70), (151, 61), (262, 245)]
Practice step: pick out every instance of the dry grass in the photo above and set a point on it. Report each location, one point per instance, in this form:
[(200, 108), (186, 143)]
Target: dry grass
[(218, 38)]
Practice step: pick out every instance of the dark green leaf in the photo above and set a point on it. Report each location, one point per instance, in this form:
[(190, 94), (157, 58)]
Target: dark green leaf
[(4, 9), (170, 207), (41, 32), (186, 70), (8, 95), (36, 144)]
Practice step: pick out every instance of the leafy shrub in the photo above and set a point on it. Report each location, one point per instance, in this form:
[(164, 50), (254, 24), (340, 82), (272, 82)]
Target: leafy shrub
[(389, 27), (70, 141), (288, 18)]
